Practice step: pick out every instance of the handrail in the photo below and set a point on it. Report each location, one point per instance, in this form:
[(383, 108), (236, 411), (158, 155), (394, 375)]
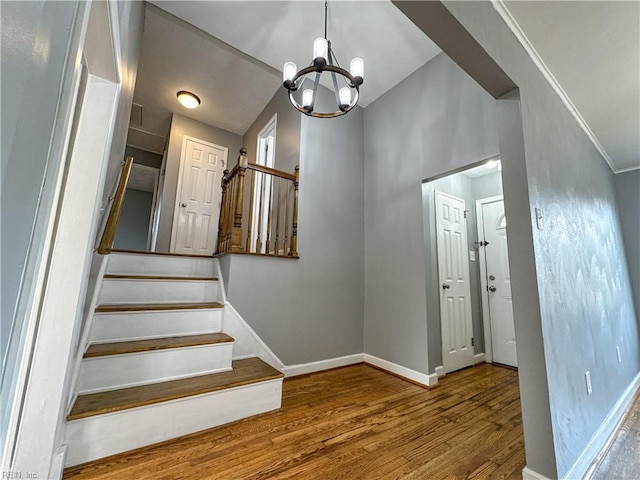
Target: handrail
[(272, 171), (109, 233), (272, 226)]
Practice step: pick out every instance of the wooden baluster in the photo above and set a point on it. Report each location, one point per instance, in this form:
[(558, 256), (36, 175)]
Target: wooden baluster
[(250, 222), (277, 246), (286, 218), (258, 238), (221, 219), (293, 250), (236, 237), (267, 249)]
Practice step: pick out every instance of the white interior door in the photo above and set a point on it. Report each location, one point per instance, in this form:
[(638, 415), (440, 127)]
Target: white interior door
[(498, 281), (453, 274), (195, 219)]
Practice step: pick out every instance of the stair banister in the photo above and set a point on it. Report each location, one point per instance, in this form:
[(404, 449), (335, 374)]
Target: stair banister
[(109, 233)]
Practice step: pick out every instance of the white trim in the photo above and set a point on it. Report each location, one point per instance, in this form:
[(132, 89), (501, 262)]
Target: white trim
[(311, 367), (602, 435), (57, 465), (486, 313), (246, 339), (478, 358), (511, 22), (528, 474), (628, 169), (176, 205), (427, 380), (439, 371)]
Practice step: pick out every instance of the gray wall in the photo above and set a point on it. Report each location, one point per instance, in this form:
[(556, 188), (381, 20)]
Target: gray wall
[(436, 120), (142, 157), (312, 308), (585, 297), (35, 38), (469, 189), (287, 132), (133, 226), (628, 193), (186, 126)]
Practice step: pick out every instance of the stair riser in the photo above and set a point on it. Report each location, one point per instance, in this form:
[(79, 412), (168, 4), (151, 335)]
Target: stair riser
[(121, 326), (119, 371), (100, 436), (131, 264), (157, 291)]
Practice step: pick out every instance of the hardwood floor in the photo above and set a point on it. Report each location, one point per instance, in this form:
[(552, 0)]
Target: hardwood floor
[(351, 423), (622, 461)]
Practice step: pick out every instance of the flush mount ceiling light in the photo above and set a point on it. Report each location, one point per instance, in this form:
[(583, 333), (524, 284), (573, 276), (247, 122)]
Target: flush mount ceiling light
[(188, 99), (324, 60)]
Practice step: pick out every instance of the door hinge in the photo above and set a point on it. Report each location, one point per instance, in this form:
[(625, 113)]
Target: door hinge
[(465, 213), (473, 342)]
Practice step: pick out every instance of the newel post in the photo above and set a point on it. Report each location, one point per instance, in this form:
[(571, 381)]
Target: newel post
[(293, 250), (236, 236), (222, 219)]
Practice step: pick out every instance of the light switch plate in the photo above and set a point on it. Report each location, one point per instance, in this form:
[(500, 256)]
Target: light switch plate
[(472, 255), (539, 218)]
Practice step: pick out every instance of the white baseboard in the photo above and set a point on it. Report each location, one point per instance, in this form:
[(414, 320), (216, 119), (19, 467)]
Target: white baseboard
[(528, 474), (439, 371), (582, 466), (478, 358), (418, 377), (304, 368)]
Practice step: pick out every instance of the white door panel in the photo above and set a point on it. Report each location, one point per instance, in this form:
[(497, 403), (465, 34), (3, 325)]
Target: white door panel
[(198, 198), (453, 274), (503, 338)]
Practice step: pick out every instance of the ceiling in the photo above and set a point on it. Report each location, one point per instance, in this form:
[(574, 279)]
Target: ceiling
[(230, 53), (593, 50)]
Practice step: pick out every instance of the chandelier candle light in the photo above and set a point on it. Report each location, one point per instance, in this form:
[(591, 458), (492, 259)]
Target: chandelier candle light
[(324, 60)]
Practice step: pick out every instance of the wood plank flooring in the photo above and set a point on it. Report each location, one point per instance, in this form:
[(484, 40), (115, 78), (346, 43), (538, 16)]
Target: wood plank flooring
[(351, 423), (622, 461)]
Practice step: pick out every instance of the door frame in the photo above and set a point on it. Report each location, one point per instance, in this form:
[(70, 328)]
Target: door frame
[(486, 311), (176, 205)]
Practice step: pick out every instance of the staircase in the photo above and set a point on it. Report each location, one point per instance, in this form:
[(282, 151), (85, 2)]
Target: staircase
[(158, 364)]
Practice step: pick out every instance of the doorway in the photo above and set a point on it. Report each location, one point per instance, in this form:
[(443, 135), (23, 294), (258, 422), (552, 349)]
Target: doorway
[(495, 282), (266, 149), (197, 208), (465, 236)]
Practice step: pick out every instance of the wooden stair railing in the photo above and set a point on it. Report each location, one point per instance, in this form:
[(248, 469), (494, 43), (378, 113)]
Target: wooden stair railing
[(269, 205), (109, 233)]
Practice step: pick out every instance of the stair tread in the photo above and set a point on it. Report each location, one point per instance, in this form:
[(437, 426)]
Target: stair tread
[(163, 254), (133, 346), (118, 276), (245, 372), (136, 307)]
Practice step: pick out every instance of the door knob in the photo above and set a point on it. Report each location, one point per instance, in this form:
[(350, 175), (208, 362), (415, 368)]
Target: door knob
[(492, 277), (492, 288), (446, 286), (183, 204)]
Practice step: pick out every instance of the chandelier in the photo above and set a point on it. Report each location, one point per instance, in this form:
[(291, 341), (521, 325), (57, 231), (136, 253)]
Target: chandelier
[(324, 60)]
